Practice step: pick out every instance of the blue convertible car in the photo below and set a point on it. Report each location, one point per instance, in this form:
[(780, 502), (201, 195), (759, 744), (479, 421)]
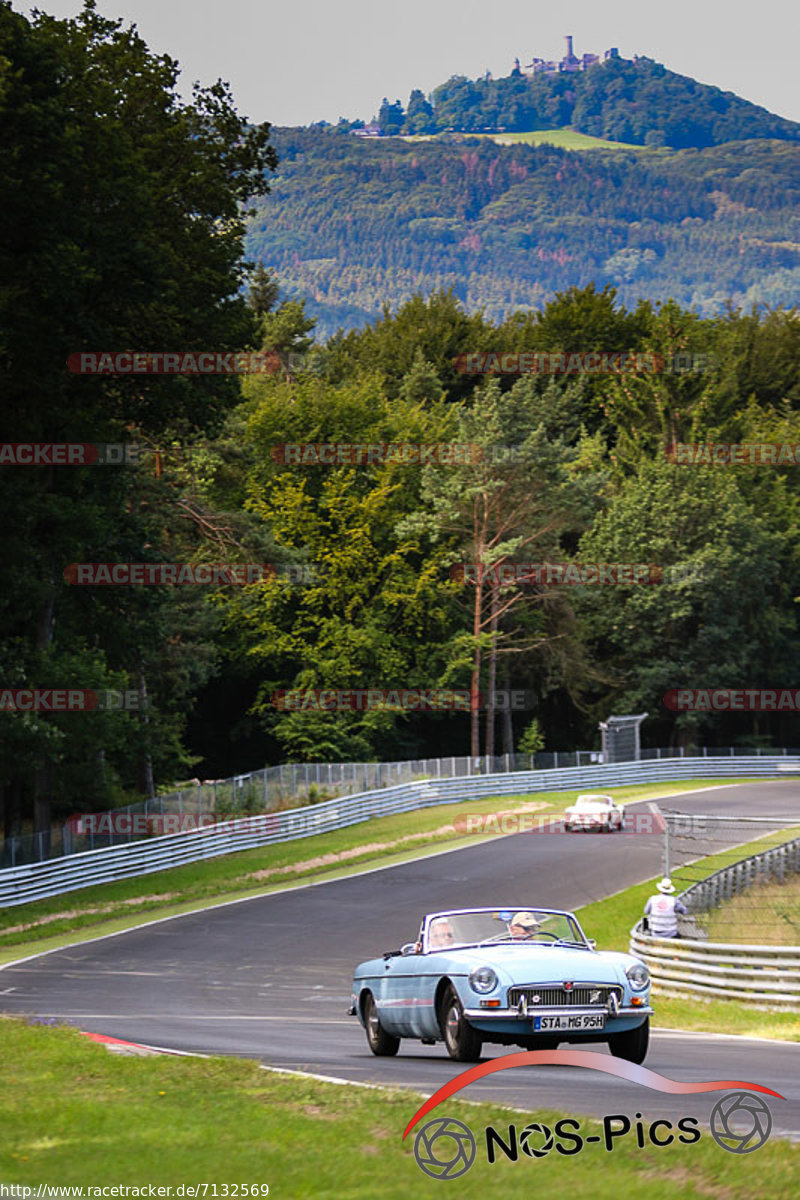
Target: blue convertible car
[(524, 977)]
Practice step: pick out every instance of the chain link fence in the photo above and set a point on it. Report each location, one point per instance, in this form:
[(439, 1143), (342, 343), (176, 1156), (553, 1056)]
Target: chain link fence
[(38, 880), (749, 893), (271, 789), (292, 785)]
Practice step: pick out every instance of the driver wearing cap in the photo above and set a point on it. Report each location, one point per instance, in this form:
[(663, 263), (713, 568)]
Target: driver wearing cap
[(523, 926)]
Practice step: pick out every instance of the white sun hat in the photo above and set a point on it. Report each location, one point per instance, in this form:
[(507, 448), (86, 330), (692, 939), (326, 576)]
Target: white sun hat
[(525, 919)]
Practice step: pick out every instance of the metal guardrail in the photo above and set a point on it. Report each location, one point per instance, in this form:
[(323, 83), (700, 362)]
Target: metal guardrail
[(36, 881), (270, 788), (756, 975), (264, 790)]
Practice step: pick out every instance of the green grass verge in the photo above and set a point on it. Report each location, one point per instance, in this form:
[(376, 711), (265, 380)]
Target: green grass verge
[(610, 922), (767, 913), (72, 1114), (107, 908)]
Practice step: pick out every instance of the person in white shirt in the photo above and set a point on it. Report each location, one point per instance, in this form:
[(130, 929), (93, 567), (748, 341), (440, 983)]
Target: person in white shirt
[(662, 911)]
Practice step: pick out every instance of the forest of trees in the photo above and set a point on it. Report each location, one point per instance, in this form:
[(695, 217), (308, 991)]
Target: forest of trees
[(637, 101), (124, 230), (351, 225)]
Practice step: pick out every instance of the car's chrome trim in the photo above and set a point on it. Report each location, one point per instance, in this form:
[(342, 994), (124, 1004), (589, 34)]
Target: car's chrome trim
[(555, 995), (514, 1014)]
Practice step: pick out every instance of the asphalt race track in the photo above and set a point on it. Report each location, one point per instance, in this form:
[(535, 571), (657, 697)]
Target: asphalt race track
[(270, 978)]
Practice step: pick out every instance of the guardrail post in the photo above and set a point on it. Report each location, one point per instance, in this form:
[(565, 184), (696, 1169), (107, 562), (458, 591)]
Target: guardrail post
[(666, 848)]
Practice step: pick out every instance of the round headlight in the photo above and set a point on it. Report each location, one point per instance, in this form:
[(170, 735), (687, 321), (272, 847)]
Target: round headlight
[(638, 976), (483, 979)]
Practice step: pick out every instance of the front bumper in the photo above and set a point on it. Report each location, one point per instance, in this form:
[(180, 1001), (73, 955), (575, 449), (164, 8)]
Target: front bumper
[(521, 1013), (599, 822)]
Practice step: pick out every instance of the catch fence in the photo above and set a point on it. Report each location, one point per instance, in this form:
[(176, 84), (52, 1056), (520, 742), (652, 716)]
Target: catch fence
[(291, 785), (56, 876), (741, 937)]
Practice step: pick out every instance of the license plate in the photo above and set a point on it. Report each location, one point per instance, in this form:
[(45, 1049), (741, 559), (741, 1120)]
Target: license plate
[(563, 1024)]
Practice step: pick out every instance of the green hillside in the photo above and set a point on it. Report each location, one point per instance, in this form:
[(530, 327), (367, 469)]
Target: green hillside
[(621, 100), (353, 223)]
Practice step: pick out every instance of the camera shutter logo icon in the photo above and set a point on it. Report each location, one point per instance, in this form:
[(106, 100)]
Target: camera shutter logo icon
[(444, 1148), (740, 1122)]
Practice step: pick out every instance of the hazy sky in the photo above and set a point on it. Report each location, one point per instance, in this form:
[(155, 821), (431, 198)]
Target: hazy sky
[(296, 61)]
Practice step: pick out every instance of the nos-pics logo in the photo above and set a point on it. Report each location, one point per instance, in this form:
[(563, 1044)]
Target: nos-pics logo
[(446, 1148)]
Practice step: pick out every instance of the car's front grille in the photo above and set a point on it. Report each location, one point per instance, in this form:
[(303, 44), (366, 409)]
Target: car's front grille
[(556, 995)]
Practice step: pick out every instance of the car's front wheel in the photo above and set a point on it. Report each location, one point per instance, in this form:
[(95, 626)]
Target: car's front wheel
[(379, 1041), (631, 1045), (462, 1041)]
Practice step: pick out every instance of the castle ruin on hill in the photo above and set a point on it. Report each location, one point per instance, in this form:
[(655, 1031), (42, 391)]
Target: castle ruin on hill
[(570, 62)]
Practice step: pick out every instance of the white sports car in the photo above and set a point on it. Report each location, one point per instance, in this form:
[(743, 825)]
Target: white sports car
[(595, 812)]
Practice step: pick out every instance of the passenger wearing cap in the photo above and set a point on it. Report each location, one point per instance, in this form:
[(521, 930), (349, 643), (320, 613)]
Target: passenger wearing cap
[(523, 926), (661, 911)]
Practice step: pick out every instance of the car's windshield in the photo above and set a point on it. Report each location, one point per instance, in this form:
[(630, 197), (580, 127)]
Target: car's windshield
[(593, 802), (525, 926)]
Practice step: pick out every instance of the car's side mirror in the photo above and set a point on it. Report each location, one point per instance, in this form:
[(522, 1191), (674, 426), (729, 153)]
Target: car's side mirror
[(410, 948), (592, 943)]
